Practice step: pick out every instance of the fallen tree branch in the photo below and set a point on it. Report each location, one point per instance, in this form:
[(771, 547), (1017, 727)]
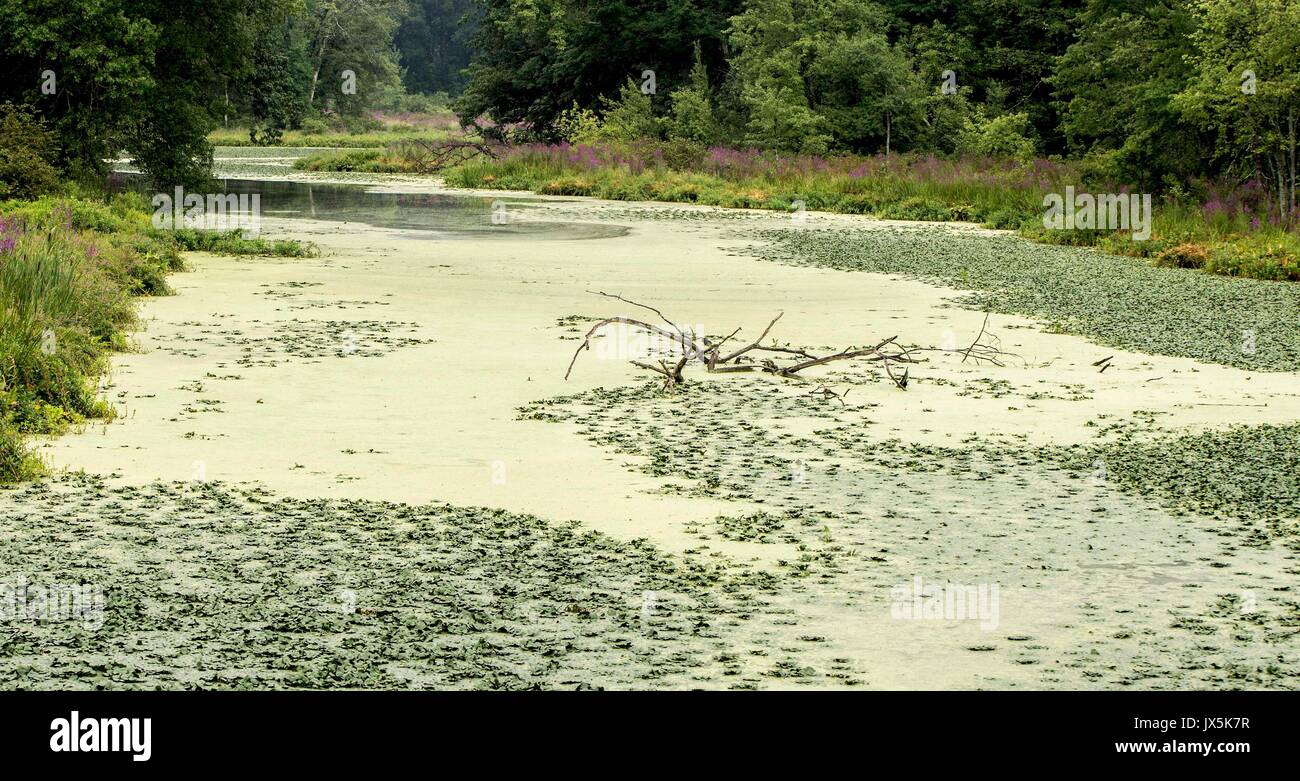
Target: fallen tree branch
[(699, 348)]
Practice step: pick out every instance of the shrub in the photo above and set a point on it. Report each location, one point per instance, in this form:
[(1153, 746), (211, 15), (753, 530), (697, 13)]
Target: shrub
[(1186, 255), (313, 125), (1007, 136), (916, 209), (628, 117), (779, 118), (577, 124), (236, 243), (16, 463), (27, 153)]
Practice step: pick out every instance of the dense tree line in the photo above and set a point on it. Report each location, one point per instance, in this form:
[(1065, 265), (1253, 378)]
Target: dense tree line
[(151, 78), (1152, 92), (1147, 91)]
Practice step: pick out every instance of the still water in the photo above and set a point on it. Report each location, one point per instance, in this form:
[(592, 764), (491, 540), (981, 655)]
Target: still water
[(424, 215)]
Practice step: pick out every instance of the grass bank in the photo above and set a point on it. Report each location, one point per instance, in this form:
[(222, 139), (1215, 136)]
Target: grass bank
[(296, 138), (1214, 228), (70, 269), (375, 131)]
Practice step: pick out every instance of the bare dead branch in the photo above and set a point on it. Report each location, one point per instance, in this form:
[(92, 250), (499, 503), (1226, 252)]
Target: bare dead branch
[(778, 361), (978, 336), (755, 343)]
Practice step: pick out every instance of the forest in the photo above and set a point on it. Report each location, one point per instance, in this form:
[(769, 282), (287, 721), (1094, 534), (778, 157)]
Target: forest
[(1156, 95)]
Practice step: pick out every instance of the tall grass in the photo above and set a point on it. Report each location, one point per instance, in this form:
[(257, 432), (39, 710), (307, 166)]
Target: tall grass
[(921, 187), (367, 139), (1223, 227), (37, 290), (69, 269)]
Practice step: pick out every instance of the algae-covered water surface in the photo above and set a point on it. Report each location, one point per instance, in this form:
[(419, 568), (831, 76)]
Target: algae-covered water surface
[(368, 470)]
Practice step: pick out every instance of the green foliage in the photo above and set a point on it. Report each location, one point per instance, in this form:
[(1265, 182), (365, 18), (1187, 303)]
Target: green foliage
[(692, 116), (353, 36), (432, 41), (1003, 50), (577, 123), (140, 76), (275, 90), (319, 133), (817, 74), (780, 118), (1245, 86), (626, 118), (1008, 136), (1115, 85), (355, 160), (532, 61), (27, 154), (236, 243), (16, 462)]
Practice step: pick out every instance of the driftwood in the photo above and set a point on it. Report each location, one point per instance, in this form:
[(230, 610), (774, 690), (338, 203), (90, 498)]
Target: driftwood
[(433, 156), (827, 393), (978, 349), (757, 357)]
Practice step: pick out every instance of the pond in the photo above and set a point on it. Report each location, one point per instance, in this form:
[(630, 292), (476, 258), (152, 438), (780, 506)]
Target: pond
[(426, 215)]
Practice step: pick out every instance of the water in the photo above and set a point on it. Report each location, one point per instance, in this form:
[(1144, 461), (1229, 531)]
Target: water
[(424, 215), (447, 216)]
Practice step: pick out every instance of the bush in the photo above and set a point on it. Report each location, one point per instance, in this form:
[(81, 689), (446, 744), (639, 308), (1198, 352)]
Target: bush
[(314, 125), (1187, 255), (1006, 136), (236, 243), (916, 209), (779, 118), (1009, 219), (627, 118), (576, 124), (27, 154), (16, 463)]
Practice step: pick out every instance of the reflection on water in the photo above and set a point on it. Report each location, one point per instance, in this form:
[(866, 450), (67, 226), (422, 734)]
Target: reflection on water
[(446, 216)]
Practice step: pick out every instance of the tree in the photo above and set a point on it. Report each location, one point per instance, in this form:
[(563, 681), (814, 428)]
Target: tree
[(432, 41), (817, 73), (27, 154), (274, 93), (148, 77), (1245, 86), (86, 73), (1115, 85), (692, 111), (866, 89), (534, 60), (352, 37), (1006, 135), (1004, 50)]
